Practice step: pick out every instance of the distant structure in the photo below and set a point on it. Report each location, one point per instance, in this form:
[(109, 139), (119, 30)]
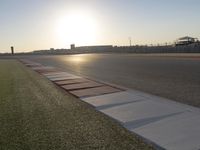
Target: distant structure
[(130, 41), (95, 48), (12, 50), (185, 40), (72, 46)]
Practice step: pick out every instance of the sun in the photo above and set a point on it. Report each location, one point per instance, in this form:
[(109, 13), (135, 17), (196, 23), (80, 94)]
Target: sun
[(77, 27)]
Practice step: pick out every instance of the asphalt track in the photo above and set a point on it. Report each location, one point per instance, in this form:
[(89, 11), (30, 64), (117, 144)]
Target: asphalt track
[(173, 76)]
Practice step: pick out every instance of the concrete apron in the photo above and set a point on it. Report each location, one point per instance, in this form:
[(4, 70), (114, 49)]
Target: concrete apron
[(167, 124)]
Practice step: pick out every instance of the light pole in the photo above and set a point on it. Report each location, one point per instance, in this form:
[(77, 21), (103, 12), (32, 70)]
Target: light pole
[(12, 50), (130, 42)]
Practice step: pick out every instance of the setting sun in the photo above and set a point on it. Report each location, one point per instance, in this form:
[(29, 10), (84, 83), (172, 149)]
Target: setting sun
[(77, 27)]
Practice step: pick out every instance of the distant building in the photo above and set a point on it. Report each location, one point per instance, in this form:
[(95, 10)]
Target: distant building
[(95, 47), (72, 46), (185, 40)]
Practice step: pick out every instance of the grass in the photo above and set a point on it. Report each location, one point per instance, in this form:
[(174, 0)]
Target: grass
[(34, 114)]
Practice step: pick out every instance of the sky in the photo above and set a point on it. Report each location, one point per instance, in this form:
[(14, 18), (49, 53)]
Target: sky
[(43, 24)]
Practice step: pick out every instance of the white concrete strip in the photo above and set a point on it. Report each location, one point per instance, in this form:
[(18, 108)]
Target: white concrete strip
[(26, 62), (59, 76), (54, 73), (114, 99), (169, 124), (42, 67), (139, 110), (180, 132), (64, 78), (33, 64)]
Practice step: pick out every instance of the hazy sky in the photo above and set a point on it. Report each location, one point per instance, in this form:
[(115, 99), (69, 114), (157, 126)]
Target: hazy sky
[(43, 24)]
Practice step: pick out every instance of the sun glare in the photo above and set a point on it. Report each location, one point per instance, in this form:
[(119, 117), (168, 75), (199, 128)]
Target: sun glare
[(79, 28)]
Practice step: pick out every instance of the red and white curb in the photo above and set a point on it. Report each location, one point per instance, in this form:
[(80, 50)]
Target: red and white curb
[(78, 86), (167, 124)]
